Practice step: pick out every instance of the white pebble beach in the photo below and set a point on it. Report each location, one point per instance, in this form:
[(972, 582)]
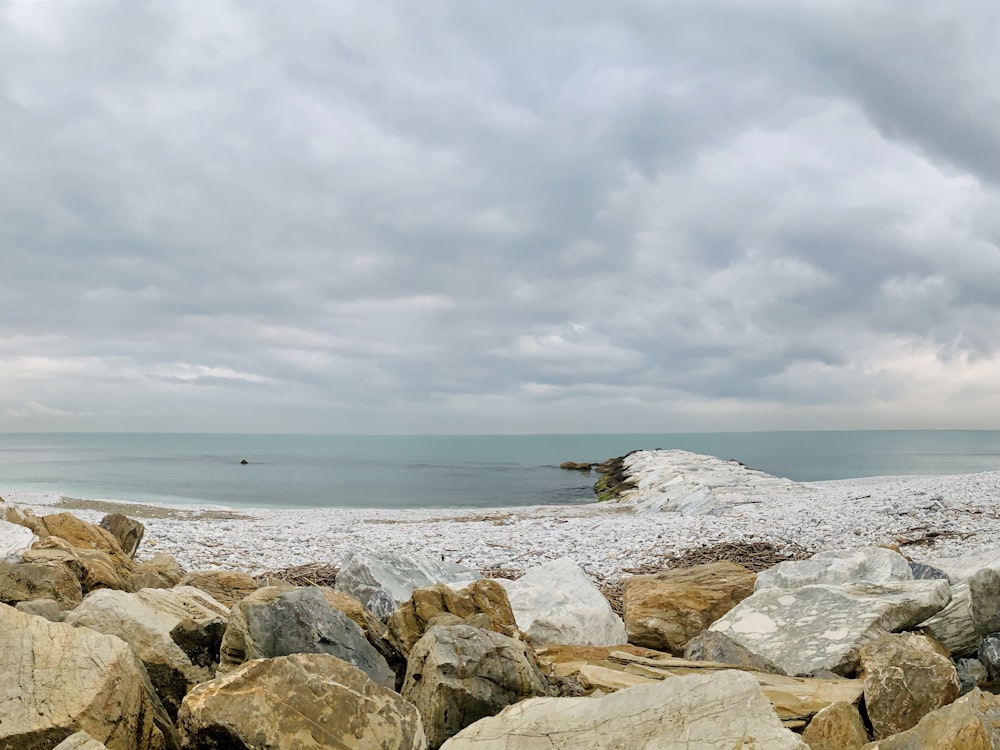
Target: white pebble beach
[(929, 517)]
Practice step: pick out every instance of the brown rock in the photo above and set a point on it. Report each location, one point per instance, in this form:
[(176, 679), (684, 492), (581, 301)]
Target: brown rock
[(409, 622), (95, 568), (23, 582), (460, 674), (574, 466), (905, 678), (970, 723), (56, 680), (126, 530), (86, 536), (302, 701), (836, 727), (666, 609), (225, 586), (161, 571)]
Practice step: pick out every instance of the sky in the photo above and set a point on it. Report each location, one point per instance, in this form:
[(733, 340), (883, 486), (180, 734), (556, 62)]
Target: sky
[(467, 216)]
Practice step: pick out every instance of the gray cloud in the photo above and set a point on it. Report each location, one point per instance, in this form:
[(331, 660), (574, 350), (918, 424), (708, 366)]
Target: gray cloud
[(474, 217)]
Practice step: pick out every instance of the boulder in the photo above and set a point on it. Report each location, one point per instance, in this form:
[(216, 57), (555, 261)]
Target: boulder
[(837, 727), (971, 674), (970, 723), (301, 701), (665, 610), (558, 603), (833, 567), (722, 710), (575, 466), (14, 538), (710, 645), (80, 741), (408, 623), (275, 621), (984, 600), (145, 620), (989, 655), (126, 530), (924, 572), (86, 536), (905, 678), (225, 586), (24, 582), (459, 674), (161, 571), (47, 608), (383, 580), (94, 568), (953, 625), (824, 627), (56, 680)]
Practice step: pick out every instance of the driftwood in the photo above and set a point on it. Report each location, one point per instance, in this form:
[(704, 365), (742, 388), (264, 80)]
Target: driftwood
[(309, 574)]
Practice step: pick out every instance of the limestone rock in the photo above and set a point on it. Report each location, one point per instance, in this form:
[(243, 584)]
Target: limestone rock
[(873, 564), (301, 701), (225, 586), (275, 621), (23, 582), (86, 536), (95, 568), (47, 608), (56, 680), (710, 645), (984, 600), (145, 621), (836, 727), (80, 741), (970, 723), (391, 577), (665, 610), (126, 530), (557, 603), (460, 674), (14, 538), (722, 710), (953, 625), (161, 571), (824, 627), (905, 678), (408, 623)]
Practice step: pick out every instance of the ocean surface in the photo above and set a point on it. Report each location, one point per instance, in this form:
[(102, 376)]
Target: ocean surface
[(438, 471)]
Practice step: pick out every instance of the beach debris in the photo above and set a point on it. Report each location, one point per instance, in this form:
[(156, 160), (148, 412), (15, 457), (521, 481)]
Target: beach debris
[(307, 574)]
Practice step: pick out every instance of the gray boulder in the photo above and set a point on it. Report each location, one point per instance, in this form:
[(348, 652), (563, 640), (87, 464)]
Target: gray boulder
[(716, 711), (459, 674), (989, 655), (823, 627), (392, 577), (558, 603), (984, 600), (874, 564), (953, 625), (710, 645), (971, 674), (276, 621)]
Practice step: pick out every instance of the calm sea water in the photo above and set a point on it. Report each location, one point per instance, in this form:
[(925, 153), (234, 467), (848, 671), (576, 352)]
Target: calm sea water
[(438, 471)]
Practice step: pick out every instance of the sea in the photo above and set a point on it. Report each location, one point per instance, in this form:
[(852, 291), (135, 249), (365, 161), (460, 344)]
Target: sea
[(485, 471)]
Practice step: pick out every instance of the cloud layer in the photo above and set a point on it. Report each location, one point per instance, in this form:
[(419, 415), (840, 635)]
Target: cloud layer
[(515, 217)]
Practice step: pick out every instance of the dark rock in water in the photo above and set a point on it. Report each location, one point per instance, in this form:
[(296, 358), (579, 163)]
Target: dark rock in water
[(924, 572), (573, 466), (244, 462), (615, 480), (989, 655)]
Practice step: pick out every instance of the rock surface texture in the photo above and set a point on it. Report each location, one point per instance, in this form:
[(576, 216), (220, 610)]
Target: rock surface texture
[(970, 723), (225, 586), (460, 674), (953, 625), (710, 645), (836, 727), (383, 580), (127, 531), (276, 621), (558, 603), (723, 711), (905, 679), (298, 702), (56, 680), (24, 582), (873, 564), (665, 610), (823, 627), (14, 538)]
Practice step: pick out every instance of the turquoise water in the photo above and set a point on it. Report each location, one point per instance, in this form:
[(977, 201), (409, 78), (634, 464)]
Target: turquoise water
[(438, 471)]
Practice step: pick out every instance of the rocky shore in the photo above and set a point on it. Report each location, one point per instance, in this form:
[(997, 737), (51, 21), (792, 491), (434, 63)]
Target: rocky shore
[(580, 627)]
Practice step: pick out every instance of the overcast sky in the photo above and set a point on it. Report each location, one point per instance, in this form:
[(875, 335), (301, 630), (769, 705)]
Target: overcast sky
[(537, 216)]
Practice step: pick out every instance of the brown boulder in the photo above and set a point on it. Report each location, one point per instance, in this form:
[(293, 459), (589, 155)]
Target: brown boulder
[(905, 677), (126, 530), (24, 582), (86, 536), (302, 701), (837, 727), (161, 571), (970, 723), (665, 610), (225, 586), (95, 568), (410, 621)]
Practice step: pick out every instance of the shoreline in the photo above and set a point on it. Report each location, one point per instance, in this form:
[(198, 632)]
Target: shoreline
[(929, 517)]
